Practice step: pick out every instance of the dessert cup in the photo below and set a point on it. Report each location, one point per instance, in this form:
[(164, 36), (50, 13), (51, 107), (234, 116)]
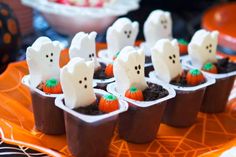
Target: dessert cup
[(142, 120), (216, 96), (89, 135), (183, 109), (102, 83), (48, 118)]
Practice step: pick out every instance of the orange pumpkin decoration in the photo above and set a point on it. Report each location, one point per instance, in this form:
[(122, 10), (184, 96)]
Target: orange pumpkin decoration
[(108, 103), (194, 77), (211, 68), (52, 86), (183, 46), (134, 93), (109, 70)]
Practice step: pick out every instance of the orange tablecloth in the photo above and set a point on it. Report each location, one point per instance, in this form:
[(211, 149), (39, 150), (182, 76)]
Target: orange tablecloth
[(211, 131)]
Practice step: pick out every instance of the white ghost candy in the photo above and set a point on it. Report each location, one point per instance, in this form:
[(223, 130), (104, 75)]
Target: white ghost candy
[(165, 58), (77, 83), (157, 26), (129, 69), (202, 48), (43, 60), (84, 45), (229, 153), (122, 33)]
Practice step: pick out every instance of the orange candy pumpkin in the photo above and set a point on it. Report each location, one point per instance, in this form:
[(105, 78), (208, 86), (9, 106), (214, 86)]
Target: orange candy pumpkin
[(109, 70), (211, 68), (52, 86), (108, 103), (134, 93), (194, 77), (183, 46)]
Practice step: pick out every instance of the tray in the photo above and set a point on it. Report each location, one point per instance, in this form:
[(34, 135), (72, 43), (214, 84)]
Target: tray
[(212, 132)]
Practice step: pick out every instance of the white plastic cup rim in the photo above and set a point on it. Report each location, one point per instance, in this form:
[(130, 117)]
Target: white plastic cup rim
[(26, 81), (112, 89), (91, 118), (186, 61), (209, 81)]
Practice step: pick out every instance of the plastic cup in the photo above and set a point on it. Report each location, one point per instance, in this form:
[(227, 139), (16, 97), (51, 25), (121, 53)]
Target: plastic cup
[(183, 109), (48, 118), (141, 122), (216, 96), (89, 135)]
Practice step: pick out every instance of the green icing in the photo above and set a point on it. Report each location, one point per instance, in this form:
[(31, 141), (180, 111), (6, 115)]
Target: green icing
[(110, 97), (182, 41), (195, 72), (208, 66), (133, 89), (51, 83)]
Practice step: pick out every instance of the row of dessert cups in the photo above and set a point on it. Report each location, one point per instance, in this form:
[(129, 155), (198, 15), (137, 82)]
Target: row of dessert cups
[(133, 123), (56, 119)]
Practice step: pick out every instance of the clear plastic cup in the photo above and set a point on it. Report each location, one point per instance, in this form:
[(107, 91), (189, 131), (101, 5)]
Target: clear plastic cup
[(89, 135), (216, 96), (48, 118), (183, 109), (141, 122)]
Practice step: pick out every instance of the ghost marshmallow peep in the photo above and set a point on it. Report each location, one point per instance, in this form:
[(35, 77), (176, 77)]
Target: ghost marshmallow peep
[(166, 61), (129, 69), (43, 60), (122, 33), (157, 26), (77, 83), (83, 45), (202, 48)]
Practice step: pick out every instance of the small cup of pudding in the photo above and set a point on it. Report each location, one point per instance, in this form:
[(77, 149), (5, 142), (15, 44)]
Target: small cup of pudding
[(90, 114), (189, 84), (146, 98), (202, 55), (43, 81)]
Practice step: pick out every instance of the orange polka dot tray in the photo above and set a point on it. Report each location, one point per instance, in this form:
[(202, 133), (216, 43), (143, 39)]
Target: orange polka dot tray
[(210, 136)]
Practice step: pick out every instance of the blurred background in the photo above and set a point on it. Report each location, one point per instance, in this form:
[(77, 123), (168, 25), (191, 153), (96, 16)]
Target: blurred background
[(22, 21)]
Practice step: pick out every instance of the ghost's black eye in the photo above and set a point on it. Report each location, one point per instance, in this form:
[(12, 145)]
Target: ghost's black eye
[(162, 21), (80, 81), (130, 32), (207, 47), (210, 45), (85, 78), (136, 68), (170, 57), (47, 56), (125, 32), (51, 54), (139, 66), (90, 56), (174, 56)]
